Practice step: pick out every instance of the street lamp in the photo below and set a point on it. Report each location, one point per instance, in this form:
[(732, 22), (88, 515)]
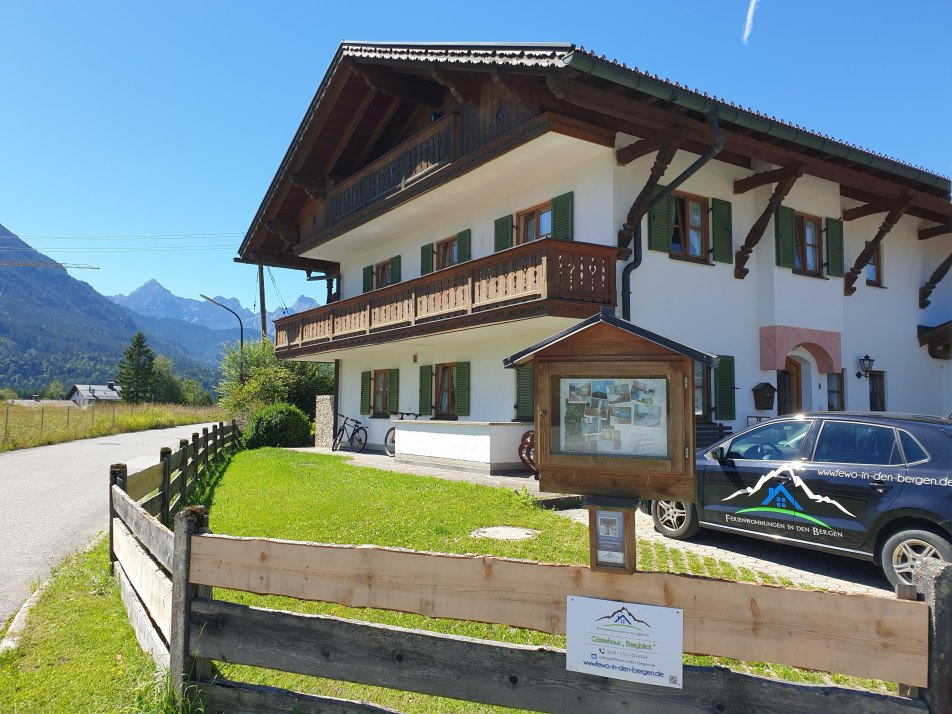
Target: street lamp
[(241, 337)]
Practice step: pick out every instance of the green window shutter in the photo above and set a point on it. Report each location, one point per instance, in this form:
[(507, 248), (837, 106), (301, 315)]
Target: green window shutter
[(426, 390), (366, 384), (563, 213), (464, 245), (524, 393), (393, 391), (368, 278), (462, 388), (503, 233), (659, 224), (426, 259), (395, 269), (721, 231), (785, 235), (834, 247), (724, 407)]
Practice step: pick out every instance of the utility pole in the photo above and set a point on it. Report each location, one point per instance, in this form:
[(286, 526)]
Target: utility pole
[(264, 311)]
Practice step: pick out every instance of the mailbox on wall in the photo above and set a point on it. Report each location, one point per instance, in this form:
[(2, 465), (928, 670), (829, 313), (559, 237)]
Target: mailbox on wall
[(614, 410)]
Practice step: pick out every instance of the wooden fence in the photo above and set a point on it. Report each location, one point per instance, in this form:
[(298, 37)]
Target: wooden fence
[(902, 640)]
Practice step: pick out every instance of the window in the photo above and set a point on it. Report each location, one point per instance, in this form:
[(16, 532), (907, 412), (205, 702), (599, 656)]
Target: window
[(382, 274), (877, 391), (689, 226), (381, 393), (808, 248), (854, 443), (444, 390), (702, 391), (534, 224), (779, 441), (447, 253), (874, 268), (835, 401), (912, 448)]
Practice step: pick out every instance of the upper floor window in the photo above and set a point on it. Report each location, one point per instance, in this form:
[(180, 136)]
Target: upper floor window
[(689, 226), (808, 248), (874, 268), (382, 274), (534, 223), (447, 253)]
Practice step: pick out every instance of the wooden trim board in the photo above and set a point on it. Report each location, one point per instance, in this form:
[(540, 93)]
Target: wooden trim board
[(146, 634), (157, 539), (153, 586), (144, 482), (848, 634)]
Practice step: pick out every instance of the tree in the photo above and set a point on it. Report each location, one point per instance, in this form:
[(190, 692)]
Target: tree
[(254, 378), (6, 394), (194, 394), (135, 371), (166, 385), (55, 390)]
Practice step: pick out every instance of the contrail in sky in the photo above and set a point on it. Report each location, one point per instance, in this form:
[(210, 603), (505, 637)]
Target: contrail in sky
[(749, 25)]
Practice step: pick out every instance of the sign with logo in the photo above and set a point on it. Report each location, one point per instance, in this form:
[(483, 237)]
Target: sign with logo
[(623, 640)]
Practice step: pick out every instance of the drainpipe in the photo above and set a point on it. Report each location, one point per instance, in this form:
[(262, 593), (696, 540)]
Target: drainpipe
[(636, 252)]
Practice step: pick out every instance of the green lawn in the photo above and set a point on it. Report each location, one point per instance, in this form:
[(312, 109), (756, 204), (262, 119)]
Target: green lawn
[(79, 653)]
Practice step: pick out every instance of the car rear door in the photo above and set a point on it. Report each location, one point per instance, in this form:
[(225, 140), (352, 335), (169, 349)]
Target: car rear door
[(852, 476)]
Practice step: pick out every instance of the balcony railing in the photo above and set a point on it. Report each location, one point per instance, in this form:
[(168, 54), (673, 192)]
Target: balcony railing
[(560, 277), (419, 156)]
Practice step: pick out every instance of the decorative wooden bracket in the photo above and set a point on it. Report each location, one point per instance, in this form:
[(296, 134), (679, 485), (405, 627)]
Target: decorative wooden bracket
[(289, 235), (786, 183), (869, 251), (395, 85), (636, 150), (882, 206), (640, 206), (941, 230), (463, 87), (764, 177), (315, 188), (926, 290)]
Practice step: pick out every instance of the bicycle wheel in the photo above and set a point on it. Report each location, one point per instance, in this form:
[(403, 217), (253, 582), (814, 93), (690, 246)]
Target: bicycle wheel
[(358, 440), (390, 441), (338, 438)]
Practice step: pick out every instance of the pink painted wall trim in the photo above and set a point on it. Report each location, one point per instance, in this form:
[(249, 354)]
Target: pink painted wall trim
[(776, 342)]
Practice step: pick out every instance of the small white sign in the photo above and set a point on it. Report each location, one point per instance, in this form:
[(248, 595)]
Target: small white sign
[(624, 640)]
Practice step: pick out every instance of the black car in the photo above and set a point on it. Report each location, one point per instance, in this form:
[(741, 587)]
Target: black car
[(875, 486)]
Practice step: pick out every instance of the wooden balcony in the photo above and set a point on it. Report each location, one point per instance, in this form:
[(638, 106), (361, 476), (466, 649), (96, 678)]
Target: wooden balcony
[(546, 277)]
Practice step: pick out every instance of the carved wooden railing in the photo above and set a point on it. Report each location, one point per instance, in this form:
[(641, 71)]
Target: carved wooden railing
[(543, 270), (418, 156)]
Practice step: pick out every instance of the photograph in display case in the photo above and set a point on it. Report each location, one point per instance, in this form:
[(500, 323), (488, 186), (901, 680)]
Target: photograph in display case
[(620, 416)]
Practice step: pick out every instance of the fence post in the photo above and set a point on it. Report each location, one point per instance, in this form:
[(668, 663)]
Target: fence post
[(183, 479), (205, 446), (165, 454), (42, 411), (234, 433), (933, 578), (195, 449), (188, 522), (6, 420), (117, 477)]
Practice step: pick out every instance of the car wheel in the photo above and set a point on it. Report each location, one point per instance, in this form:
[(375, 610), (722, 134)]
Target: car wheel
[(675, 519), (904, 550)]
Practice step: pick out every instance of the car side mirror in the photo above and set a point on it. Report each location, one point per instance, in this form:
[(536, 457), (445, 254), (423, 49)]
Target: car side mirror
[(718, 454)]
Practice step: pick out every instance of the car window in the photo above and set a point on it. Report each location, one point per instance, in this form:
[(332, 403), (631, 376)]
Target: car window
[(855, 443), (779, 441), (912, 448)]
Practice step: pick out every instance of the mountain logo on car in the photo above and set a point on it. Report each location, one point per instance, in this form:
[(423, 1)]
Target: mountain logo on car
[(779, 499)]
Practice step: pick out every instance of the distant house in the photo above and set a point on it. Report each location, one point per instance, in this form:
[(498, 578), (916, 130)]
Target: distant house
[(86, 394)]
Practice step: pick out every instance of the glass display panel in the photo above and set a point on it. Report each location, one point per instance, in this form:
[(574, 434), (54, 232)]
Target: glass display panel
[(615, 416)]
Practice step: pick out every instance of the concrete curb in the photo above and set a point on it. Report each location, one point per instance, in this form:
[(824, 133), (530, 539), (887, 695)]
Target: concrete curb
[(12, 637)]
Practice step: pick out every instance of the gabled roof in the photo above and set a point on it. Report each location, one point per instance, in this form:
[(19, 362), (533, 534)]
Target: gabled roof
[(607, 317), (97, 392)]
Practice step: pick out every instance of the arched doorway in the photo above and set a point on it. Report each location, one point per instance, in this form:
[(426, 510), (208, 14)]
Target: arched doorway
[(789, 388)]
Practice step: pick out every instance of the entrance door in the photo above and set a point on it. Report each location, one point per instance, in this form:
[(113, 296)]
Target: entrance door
[(789, 388)]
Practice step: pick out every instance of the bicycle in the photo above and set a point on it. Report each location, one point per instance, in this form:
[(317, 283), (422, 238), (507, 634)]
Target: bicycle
[(390, 440), (357, 436)]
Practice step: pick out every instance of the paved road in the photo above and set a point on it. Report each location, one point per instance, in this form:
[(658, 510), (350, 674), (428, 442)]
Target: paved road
[(54, 500)]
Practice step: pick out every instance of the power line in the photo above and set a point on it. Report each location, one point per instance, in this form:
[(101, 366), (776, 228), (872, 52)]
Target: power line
[(144, 249), (157, 236), (37, 264)]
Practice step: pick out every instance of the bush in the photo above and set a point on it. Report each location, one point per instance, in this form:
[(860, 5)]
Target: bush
[(280, 424)]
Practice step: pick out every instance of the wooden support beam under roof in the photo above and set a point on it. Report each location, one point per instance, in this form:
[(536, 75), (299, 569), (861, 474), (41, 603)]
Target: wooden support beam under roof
[(870, 209), (285, 260), (402, 86), (643, 147), (766, 177), (849, 280), (640, 205), (289, 235), (937, 339), (315, 188), (463, 87), (854, 182), (926, 290), (378, 130), (760, 225), (330, 161), (940, 230)]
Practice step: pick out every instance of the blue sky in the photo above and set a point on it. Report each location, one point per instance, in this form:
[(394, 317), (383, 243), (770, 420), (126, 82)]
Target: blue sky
[(129, 119)]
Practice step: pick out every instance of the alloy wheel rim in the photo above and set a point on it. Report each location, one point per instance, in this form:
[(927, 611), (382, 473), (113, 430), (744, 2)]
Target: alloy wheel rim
[(908, 554), (671, 514)]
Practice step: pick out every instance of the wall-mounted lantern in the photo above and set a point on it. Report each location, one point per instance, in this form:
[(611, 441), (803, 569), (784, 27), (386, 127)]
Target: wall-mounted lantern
[(764, 395), (865, 367)]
